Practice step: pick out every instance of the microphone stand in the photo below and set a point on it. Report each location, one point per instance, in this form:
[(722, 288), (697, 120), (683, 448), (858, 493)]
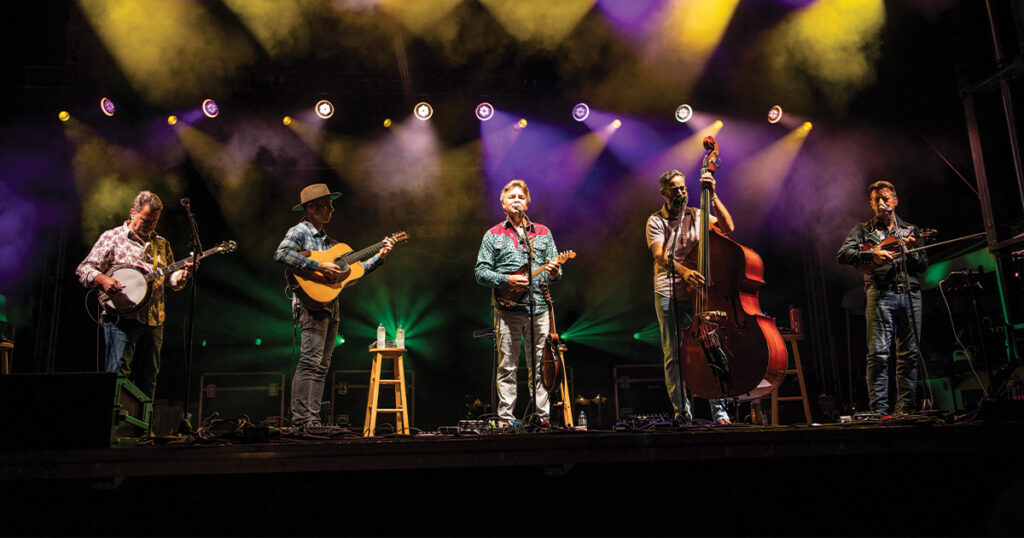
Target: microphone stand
[(197, 247), (525, 221), (903, 270), (673, 314)]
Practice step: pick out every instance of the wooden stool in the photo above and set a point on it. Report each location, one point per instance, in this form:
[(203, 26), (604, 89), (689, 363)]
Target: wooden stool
[(398, 382), (6, 354), (797, 369)]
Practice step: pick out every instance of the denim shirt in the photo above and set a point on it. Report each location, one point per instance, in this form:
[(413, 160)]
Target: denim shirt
[(304, 236), (502, 252)]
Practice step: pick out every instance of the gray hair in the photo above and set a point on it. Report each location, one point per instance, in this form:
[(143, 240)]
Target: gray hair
[(145, 198)]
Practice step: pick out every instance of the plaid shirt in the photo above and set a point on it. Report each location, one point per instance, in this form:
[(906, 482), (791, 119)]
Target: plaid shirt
[(304, 236), (121, 246), (502, 253)]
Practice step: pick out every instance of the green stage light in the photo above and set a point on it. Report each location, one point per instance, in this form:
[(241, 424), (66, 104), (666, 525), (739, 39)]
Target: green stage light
[(259, 341), (203, 343), (338, 340)]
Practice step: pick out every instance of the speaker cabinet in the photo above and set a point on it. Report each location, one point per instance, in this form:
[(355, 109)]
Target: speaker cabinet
[(72, 410)]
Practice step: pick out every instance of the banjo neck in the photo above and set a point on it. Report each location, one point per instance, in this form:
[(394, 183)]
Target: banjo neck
[(168, 269)]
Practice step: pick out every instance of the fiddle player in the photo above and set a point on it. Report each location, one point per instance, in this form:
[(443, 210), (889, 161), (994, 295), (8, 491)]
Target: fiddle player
[(133, 341), (674, 229), (503, 250), (893, 297)]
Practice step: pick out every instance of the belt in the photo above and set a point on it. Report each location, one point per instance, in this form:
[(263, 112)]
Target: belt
[(894, 287)]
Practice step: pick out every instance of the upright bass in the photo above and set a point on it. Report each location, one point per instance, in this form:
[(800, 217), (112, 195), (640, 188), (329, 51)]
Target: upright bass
[(731, 349)]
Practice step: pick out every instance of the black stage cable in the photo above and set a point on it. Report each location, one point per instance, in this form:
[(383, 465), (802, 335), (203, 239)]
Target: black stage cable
[(956, 335)]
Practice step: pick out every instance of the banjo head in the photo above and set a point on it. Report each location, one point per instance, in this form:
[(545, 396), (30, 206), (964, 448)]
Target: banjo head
[(134, 294)]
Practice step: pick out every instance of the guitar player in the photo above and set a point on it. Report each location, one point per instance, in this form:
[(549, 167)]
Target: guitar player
[(134, 340), (319, 326), (504, 252), (893, 297)]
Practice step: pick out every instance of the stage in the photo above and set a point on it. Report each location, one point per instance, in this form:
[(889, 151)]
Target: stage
[(909, 476)]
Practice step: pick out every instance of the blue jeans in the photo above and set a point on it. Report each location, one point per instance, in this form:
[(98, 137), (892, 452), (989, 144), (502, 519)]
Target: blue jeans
[(888, 313), (670, 348), (133, 349), (319, 330)]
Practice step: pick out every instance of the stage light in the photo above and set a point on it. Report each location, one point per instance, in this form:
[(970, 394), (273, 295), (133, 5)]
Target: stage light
[(484, 111), (107, 106), (807, 126), (718, 124), (522, 123), (259, 341), (636, 336), (324, 109), (580, 112), (287, 120), (616, 124), (387, 122), (203, 344), (63, 115), (210, 108), (684, 113), (423, 110), (339, 339), (775, 114), (172, 119)]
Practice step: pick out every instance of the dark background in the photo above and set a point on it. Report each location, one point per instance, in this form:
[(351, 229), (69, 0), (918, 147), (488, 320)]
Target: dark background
[(902, 121)]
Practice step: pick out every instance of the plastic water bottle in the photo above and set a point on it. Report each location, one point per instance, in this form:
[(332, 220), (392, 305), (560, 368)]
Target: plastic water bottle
[(581, 421), (381, 335), (400, 338)]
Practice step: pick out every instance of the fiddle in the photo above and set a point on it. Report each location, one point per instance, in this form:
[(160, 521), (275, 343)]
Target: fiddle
[(893, 242)]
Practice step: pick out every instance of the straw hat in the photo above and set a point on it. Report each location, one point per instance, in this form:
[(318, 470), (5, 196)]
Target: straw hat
[(312, 192)]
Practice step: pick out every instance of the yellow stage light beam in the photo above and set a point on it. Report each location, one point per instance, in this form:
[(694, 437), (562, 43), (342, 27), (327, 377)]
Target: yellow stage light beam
[(419, 17), (543, 22), (172, 52), (828, 49)]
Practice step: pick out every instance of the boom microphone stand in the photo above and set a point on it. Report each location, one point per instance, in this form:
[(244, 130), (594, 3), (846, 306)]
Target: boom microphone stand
[(197, 247)]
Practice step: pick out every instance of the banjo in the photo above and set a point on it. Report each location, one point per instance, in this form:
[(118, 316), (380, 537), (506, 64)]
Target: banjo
[(138, 285)]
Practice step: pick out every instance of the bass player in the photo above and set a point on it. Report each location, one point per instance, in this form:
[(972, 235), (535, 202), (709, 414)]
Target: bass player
[(319, 326)]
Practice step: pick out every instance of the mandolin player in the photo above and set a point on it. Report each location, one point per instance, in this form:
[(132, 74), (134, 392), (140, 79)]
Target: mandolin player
[(893, 290), (133, 341), (505, 250)]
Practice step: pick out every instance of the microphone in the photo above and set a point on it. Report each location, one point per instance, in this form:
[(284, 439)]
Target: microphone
[(883, 207), (186, 202), (517, 207)]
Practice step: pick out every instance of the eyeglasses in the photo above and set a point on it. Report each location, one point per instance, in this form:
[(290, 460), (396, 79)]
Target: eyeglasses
[(676, 189)]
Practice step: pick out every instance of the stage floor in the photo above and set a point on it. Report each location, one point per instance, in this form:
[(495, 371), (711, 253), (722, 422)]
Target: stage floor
[(906, 477)]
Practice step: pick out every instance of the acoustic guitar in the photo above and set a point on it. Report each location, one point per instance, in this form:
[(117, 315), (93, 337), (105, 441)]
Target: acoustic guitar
[(315, 289), (509, 298)]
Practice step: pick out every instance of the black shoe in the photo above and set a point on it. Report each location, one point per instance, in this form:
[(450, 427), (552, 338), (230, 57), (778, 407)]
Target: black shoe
[(681, 420)]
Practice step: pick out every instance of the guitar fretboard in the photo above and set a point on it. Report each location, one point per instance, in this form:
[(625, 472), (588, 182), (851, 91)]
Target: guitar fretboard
[(361, 255)]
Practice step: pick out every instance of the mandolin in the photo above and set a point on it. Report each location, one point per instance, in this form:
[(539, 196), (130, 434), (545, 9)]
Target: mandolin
[(509, 298)]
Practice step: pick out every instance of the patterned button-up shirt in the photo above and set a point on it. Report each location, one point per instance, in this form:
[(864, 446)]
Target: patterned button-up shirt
[(502, 252), (121, 246), (304, 236)]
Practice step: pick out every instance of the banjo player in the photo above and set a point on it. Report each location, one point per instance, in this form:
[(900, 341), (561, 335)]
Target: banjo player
[(133, 341)]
